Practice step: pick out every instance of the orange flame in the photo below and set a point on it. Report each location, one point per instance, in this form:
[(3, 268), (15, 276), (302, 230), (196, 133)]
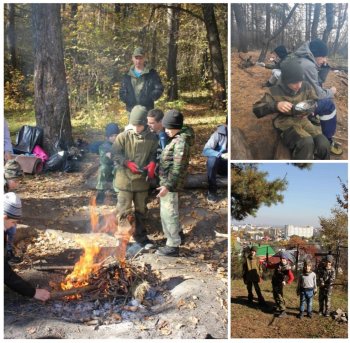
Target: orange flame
[(93, 214)]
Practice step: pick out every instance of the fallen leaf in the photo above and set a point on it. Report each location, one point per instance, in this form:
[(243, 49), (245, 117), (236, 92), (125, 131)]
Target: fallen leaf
[(31, 330), (193, 320)]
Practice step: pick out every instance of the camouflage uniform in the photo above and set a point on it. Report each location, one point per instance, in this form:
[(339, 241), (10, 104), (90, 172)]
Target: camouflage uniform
[(106, 169), (133, 188), (326, 278), (281, 273), (172, 172)]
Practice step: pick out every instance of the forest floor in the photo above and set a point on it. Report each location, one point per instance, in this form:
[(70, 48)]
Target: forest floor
[(190, 295), (251, 321), (246, 89)]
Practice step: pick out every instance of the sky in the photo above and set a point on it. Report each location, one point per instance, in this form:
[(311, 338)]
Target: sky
[(310, 194)]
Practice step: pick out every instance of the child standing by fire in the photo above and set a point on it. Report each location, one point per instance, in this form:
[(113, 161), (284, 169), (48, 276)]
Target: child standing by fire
[(106, 169), (282, 275), (173, 165), (306, 289)]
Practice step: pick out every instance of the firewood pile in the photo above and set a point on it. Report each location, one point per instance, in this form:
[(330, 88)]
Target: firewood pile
[(110, 279)]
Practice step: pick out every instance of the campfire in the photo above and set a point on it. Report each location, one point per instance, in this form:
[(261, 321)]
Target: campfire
[(100, 275)]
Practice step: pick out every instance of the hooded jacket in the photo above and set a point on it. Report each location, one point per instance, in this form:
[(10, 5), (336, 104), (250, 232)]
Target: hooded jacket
[(175, 158), (217, 143), (143, 90), (139, 148), (311, 71)]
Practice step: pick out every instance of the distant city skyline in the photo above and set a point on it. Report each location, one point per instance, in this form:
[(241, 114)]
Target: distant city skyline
[(310, 194)]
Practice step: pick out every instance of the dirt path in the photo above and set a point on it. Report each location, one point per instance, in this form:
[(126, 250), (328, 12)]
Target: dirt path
[(251, 321), (190, 296), (260, 134)]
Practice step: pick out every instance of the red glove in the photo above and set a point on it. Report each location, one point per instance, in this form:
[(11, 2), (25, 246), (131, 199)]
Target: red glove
[(151, 167), (132, 166)]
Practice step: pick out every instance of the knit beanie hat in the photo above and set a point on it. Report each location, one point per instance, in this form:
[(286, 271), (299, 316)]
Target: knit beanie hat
[(292, 71), (112, 129), (329, 258), (283, 255), (12, 205), (318, 48), (13, 170), (138, 115), (281, 51), (173, 119)]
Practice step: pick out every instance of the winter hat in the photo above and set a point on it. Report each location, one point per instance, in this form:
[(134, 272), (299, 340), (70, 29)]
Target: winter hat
[(12, 205), (253, 248), (281, 51), (318, 48), (284, 255), (329, 258), (112, 129), (292, 71), (138, 115), (138, 52), (13, 170), (173, 119)]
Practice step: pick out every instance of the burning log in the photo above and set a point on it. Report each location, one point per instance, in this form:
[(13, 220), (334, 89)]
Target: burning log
[(72, 291)]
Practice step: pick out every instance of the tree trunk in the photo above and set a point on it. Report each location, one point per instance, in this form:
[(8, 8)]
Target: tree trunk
[(173, 33), (317, 11), (341, 22), (330, 22), (11, 35), (241, 28), (50, 87), (217, 63), (267, 40)]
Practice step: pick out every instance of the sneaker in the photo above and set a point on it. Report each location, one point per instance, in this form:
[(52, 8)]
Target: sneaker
[(300, 315), (326, 314), (212, 197), (336, 148), (12, 258), (320, 313), (168, 251), (282, 314), (309, 315)]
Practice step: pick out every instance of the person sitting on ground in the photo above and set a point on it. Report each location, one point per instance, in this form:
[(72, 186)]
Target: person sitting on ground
[(13, 175), (216, 151), (306, 289), (135, 153), (173, 166), (278, 55), (12, 213), (141, 85), (305, 140), (252, 276), (106, 169), (326, 278), (313, 58), (282, 275)]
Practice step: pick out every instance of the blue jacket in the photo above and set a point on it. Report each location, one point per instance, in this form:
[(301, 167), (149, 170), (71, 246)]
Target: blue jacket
[(217, 143)]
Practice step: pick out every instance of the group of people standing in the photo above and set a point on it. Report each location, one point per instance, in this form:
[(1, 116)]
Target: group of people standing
[(154, 149), (308, 282), (299, 77)]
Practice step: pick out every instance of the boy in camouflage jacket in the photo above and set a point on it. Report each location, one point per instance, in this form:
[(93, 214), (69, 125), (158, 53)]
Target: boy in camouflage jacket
[(106, 169), (326, 277), (174, 161)]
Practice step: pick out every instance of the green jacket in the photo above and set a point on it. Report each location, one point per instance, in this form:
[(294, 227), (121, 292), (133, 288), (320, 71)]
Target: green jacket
[(268, 103), (175, 158), (139, 148)]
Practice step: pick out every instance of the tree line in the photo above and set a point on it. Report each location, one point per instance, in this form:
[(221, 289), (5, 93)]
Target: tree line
[(67, 56), (258, 26)]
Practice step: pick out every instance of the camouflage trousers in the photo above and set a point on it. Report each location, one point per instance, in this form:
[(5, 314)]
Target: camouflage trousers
[(277, 292), (126, 200), (104, 176), (169, 215), (324, 299)]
